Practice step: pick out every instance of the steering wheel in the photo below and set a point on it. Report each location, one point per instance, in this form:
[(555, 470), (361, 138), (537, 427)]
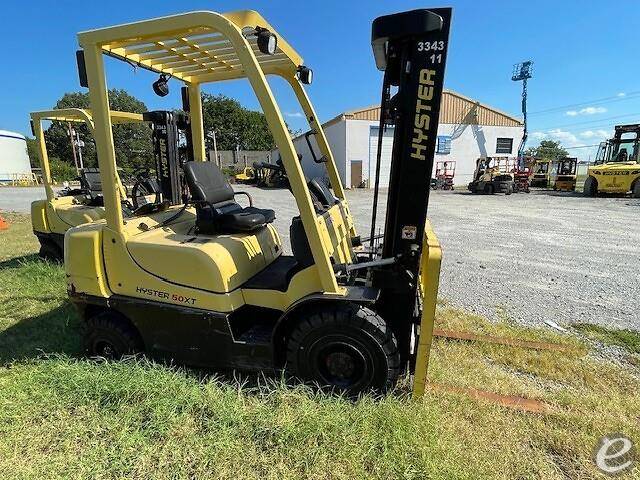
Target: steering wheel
[(145, 185)]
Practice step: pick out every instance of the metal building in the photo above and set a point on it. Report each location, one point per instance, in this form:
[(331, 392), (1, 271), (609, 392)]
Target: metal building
[(14, 159), (468, 129)]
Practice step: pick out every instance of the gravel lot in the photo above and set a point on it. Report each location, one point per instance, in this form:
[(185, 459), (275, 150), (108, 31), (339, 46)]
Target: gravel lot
[(528, 258)]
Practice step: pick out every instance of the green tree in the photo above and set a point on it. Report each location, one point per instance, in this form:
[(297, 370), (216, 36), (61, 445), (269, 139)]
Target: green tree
[(132, 141), (548, 150), (234, 125), (32, 151)]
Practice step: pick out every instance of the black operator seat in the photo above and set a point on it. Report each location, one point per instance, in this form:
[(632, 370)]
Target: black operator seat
[(91, 184), (216, 209)]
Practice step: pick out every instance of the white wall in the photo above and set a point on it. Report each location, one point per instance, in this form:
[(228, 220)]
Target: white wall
[(472, 142), (349, 141), (14, 158)]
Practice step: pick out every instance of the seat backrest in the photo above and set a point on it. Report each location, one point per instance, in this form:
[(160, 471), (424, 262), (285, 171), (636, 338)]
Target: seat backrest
[(90, 180), (207, 183), (319, 189)]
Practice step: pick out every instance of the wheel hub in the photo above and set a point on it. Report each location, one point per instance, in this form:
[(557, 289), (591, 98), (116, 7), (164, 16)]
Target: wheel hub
[(106, 349), (340, 365)]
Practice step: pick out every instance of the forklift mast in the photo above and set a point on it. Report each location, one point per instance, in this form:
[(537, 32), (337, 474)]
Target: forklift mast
[(166, 128), (411, 48)]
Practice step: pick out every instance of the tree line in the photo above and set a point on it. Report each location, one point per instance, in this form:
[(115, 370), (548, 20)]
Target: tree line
[(235, 127)]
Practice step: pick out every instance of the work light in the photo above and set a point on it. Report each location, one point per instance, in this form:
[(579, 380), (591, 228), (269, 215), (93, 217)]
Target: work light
[(267, 41), (305, 74), (160, 86)]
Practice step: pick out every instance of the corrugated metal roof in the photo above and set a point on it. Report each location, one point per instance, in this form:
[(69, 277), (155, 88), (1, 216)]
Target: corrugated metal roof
[(454, 109)]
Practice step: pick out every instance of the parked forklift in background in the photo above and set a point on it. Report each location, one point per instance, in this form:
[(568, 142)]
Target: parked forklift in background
[(616, 169), (270, 175), (565, 174), (69, 207), (202, 280), (492, 175), (445, 173), (247, 175), (541, 173)]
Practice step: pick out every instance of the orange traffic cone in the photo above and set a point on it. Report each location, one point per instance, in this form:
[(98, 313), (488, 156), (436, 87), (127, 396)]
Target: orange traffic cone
[(3, 224)]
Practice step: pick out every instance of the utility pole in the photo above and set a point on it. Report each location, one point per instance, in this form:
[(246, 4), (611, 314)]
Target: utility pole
[(522, 72), (80, 144), (73, 147)]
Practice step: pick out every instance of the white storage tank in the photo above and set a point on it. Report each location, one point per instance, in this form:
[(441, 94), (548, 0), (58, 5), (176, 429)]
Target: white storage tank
[(14, 159)]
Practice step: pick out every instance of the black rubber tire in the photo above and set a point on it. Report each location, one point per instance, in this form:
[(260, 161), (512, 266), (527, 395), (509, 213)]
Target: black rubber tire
[(488, 189), (345, 348), (590, 187), (635, 192), (50, 251), (109, 336)]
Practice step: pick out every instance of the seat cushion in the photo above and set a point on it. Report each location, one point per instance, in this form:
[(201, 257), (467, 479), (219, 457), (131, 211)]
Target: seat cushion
[(240, 221), (268, 214)]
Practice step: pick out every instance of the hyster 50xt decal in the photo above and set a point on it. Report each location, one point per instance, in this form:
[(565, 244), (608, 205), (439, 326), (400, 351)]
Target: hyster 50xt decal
[(423, 114), (166, 295)]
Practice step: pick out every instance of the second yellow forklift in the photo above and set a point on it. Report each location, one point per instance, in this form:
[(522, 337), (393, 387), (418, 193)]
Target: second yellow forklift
[(60, 210), (565, 171)]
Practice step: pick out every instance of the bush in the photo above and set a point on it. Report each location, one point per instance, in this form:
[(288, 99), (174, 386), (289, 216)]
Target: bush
[(62, 171)]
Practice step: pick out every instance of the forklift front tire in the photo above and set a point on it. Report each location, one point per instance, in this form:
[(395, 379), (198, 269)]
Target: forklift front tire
[(345, 348), (109, 336), (590, 187), (636, 190)]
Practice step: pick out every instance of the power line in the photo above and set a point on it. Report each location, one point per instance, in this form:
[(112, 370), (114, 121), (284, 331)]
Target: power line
[(590, 121), (582, 146), (598, 101)]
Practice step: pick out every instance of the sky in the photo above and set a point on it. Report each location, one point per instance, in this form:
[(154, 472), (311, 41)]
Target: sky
[(585, 77)]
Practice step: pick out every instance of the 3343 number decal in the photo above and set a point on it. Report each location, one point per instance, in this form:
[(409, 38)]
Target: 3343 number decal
[(435, 46)]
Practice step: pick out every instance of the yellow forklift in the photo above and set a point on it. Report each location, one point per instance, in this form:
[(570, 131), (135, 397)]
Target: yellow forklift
[(541, 173), (565, 174), (616, 168), (492, 175), (247, 175), (200, 279), (69, 207)]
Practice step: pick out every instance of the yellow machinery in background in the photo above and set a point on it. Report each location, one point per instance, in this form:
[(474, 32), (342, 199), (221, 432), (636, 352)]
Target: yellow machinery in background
[(565, 170), (246, 176), (492, 175), (541, 173), (53, 216), (202, 279), (616, 169)]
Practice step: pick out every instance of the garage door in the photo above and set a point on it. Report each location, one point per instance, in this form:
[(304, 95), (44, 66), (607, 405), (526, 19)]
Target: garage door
[(385, 161)]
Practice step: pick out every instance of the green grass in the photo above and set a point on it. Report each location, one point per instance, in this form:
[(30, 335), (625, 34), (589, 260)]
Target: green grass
[(62, 416), (626, 339)]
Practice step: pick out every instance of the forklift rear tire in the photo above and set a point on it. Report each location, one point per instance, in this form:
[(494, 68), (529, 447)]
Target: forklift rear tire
[(50, 251), (488, 189), (636, 190), (109, 336), (590, 187), (345, 348)]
